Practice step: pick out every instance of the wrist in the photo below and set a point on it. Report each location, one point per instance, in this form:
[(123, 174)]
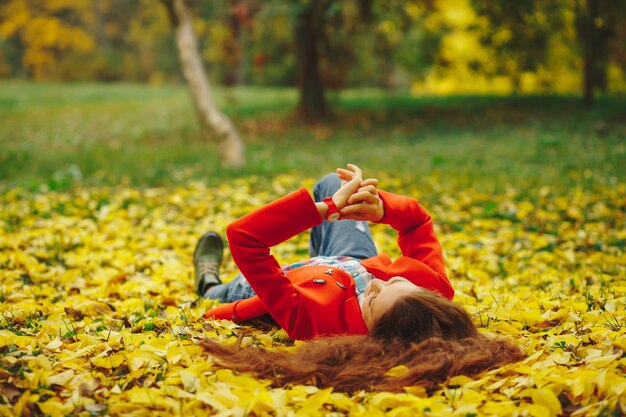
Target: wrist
[(332, 213), (380, 213)]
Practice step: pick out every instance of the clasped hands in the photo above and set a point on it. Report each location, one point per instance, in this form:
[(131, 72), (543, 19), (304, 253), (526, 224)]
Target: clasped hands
[(358, 199)]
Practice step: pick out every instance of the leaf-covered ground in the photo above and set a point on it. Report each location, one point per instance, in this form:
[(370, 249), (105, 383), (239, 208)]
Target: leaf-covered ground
[(99, 315)]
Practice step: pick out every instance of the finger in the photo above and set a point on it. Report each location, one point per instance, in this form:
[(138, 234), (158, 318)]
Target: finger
[(344, 174), (357, 171), (352, 217), (362, 197), (368, 189), (345, 180), (370, 181), (355, 181), (361, 209)]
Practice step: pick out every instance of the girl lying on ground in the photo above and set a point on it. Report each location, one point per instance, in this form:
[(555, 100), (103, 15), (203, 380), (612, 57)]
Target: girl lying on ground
[(362, 313)]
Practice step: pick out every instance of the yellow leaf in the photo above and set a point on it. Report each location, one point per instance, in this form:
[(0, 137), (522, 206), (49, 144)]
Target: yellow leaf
[(620, 342), (497, 408), (55, 344), (9, 338), (109, 362), (174, 354), (417, 391), (599, 360), (55, 407), (317, 400), (225, 397), (385, 400), (19, 405), (340, 401), (61, 378), (188, 379), (579, 385), (496, 385), (265, 339), (619, 386), (210, 400), (402, 411), (535, 410), (546, 397), (139, 359), (459, 380), (44, 362), (397, 371)]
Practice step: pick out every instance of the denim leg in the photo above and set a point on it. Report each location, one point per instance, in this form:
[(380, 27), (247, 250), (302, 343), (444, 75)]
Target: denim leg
[(237, 289), (342, 237)]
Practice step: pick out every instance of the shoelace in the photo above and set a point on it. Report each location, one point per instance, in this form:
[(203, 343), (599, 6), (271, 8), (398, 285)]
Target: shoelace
[(205, 267)]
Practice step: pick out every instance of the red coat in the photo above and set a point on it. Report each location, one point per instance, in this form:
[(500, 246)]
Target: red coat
[(299, 301)]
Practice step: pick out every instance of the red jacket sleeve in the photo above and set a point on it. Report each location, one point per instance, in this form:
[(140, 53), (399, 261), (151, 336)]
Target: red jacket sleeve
[(239, 310), (250, 238), (416, 236)]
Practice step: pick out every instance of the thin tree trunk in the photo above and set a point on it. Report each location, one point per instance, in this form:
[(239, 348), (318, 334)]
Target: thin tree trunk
[(592, 46), (243, 63), (312, 105), (101, 38), (230, 144)]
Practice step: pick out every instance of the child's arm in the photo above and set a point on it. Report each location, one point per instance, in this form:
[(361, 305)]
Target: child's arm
[(416, 236), (251, 237)]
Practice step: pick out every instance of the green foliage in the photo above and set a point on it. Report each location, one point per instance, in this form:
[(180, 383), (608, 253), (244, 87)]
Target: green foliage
[(58, 135), (434, 47)]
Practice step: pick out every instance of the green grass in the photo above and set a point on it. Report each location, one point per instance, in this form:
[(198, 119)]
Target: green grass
[(57, 134)]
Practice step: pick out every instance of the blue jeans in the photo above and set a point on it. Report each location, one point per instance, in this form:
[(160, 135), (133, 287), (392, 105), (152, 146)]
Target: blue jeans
[(341, 238)]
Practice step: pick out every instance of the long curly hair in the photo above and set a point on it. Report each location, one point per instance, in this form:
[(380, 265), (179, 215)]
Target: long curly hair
[(433, 337)]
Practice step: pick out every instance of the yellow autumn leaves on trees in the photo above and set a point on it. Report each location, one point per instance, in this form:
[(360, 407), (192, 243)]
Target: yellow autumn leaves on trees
[(99, 315), (439, 47), (47, 28)]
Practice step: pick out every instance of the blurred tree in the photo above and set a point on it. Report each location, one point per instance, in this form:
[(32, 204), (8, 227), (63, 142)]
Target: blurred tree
[(308, 27), (410, 37), (271, 45), (325, 32), (110, 26), (519, 33), (42, 30), (321, 46), (241, 18), (524, 33), (597, 23), (106, 40), (230, 144)]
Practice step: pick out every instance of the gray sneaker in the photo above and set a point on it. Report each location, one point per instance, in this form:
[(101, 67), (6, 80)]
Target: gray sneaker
[(206, 261)]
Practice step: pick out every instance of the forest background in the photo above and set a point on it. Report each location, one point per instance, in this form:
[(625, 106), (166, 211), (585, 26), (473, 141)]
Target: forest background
[(426, 47), (297, 55)]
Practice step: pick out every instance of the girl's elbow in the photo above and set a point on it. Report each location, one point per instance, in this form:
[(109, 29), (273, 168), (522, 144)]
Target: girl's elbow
[(233, 234)]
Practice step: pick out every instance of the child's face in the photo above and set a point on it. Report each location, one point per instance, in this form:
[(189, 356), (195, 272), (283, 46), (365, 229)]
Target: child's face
[(381, 295)]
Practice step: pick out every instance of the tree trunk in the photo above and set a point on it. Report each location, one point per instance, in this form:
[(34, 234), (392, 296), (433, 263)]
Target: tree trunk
[(312, 105), (592, 47), (588, 78), (231, 146)]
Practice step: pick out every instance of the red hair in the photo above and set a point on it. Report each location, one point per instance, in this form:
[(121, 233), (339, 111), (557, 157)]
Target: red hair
[(430, 335)]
